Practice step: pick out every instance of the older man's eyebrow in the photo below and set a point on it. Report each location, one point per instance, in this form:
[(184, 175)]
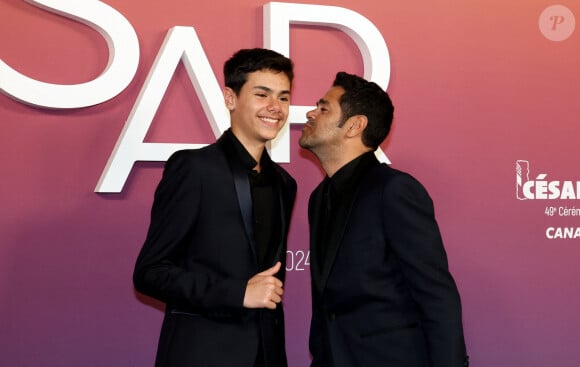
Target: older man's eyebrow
[(322, 101)]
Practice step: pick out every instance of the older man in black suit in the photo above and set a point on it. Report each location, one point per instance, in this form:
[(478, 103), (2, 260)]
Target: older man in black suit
[(216, 246), (381, 291)]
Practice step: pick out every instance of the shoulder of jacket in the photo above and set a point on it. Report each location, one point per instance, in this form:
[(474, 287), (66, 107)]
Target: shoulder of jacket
[(386, 175)]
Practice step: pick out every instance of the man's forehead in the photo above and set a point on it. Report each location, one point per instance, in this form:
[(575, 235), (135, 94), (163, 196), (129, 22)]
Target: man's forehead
[(332, 96), (268, 80), (267, 74)]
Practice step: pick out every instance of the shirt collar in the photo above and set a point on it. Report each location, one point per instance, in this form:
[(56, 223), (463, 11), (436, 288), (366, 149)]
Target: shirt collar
[(244, 157), (348, 175)]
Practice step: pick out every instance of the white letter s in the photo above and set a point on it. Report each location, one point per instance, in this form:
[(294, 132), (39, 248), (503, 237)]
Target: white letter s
[(123, 60)]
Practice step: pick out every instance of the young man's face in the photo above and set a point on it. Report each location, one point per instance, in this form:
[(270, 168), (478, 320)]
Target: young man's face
[(322, 128), (261, 108)]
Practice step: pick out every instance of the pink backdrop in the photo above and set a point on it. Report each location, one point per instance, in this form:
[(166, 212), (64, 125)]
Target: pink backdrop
[(477, 86)]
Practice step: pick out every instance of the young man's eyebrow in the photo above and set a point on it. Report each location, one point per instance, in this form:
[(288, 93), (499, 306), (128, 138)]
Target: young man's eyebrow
[(269, 90)]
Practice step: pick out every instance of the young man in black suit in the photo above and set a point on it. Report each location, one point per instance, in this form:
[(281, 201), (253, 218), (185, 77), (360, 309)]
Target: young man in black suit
[(382, 294), (216, 246)]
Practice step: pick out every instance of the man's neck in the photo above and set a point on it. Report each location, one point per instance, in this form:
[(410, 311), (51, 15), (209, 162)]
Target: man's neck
[(331, 164)]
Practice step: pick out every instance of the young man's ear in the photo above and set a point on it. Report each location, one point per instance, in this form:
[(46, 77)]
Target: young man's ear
[(356, 125), (230, 98)]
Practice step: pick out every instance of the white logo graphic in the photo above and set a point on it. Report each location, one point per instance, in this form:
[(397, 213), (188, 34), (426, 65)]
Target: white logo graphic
[(554, 233), (541, 188), (522, 175), (557, 23)]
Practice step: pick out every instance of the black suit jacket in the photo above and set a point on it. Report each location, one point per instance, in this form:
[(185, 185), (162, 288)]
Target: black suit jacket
[(383, 295), (198, 256)]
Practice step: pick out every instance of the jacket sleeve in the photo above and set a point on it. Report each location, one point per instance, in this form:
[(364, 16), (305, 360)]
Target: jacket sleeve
[(159, 270), (410, 226)]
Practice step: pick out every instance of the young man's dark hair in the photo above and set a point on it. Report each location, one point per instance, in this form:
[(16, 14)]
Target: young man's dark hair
[(246, 61), (366, 98)]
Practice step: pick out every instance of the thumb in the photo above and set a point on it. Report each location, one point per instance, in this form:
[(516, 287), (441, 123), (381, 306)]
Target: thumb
[(273, 270)]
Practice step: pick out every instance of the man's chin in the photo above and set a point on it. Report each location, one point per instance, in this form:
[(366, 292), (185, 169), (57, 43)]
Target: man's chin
[(303, 142)]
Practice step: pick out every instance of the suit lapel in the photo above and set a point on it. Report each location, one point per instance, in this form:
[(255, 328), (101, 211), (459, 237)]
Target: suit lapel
[(279, 189), (244, 193), (316, 264), (334, 242), (341, 217)]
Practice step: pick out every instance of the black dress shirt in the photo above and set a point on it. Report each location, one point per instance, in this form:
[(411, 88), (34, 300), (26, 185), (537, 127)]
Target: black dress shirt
[(339, 192), (266, 207)]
